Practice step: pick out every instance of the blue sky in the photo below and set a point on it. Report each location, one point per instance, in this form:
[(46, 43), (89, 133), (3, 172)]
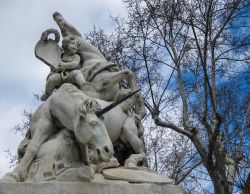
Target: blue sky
[(21, 74)]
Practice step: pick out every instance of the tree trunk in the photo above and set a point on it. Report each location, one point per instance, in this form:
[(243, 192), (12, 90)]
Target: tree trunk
[(220, 187), (246, 188)]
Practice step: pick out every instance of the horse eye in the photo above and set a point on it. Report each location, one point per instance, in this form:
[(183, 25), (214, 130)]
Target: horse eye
[(93, 123)]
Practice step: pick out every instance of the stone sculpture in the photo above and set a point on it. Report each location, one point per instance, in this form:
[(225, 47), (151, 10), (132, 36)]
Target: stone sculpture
[(85, 117), (67, 70), (103, 76)]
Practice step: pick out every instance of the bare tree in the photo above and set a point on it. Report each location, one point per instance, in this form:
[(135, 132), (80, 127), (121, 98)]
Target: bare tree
[(191, 59), (206, 45)]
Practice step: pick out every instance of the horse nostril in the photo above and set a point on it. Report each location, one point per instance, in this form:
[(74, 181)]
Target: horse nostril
[(106, 149), (98, 151)]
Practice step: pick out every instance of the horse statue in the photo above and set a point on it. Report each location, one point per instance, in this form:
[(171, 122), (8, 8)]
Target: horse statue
[(102, 78), (87, 100), (119, 123), (73, 111)]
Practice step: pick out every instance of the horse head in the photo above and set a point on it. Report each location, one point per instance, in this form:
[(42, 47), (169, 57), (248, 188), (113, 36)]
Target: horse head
[(91, 130)]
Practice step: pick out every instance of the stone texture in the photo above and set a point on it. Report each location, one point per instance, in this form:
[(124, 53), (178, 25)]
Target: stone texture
[(54, 188), (49, 52), (87, 188), (135, 176), (58, 159), (76, 174), (82, 95), (144, 189)]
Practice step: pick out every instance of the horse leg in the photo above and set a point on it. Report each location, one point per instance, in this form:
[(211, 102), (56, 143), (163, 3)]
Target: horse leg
[(108, 79), (130, 103), (99, 167), (130, 135), (140, 108), (44, 129)]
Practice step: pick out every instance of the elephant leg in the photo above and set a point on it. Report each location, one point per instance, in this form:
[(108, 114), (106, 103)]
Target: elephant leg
[(44, 129), (130, 135)]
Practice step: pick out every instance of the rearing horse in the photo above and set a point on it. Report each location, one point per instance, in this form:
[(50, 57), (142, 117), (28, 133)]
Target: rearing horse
[(103, 77)]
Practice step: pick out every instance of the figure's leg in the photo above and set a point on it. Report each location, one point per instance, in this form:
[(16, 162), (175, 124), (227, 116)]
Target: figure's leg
[(43, 131), (53, 81), (76, 77), (130, 135)]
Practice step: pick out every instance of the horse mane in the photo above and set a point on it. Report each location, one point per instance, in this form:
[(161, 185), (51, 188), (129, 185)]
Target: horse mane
[(91, 105), (87, 104)]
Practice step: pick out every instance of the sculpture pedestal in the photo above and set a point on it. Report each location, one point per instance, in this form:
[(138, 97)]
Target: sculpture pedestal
[(118, 187), (111, 181)]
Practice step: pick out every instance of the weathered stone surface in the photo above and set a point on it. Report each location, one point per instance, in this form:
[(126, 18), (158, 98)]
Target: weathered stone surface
[(85, 111), (87, 188), (49, 52), (99, 178), (54, 188), (76, 174), (144, 189), (135, 176)]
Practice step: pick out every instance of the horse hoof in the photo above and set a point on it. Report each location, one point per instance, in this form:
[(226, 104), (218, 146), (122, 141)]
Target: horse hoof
[(114, 162), (130, 164)]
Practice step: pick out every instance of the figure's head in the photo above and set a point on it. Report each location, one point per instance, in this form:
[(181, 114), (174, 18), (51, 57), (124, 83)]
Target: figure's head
[(70, 45), (91, 130)]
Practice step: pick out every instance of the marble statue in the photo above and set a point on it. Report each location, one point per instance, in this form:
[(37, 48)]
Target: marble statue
[(67, 71), (82, 95), (103, 76), (70, 109), (87, 124)]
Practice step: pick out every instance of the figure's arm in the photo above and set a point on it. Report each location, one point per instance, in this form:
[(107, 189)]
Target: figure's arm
[(66, 28), (74, 64)]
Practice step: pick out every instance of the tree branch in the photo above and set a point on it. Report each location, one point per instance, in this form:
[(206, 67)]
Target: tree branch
[(185, 174)]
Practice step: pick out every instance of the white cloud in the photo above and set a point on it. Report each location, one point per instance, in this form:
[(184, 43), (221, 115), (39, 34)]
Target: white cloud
[(21, 74)]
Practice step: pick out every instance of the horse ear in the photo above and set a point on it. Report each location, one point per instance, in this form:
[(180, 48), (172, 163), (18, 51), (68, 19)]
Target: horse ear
[(82, 112), (88, 104), (82, 116), (91, 105)]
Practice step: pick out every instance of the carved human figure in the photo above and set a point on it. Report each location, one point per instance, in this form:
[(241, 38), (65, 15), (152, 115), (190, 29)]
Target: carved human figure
[(82, 64), (68, 70), (103, 76)]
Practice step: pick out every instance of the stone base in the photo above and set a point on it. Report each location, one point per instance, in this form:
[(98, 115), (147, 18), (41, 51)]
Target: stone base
[(101, 187)]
